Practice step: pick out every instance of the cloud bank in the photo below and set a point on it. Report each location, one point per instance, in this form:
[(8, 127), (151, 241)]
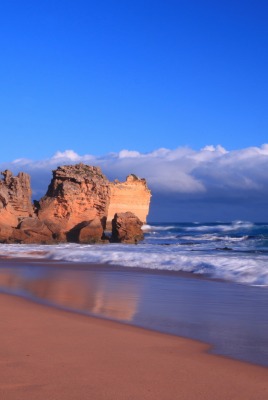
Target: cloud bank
[(208, 184)]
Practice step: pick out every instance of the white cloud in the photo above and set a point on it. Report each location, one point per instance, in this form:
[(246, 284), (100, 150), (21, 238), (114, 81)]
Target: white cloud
[(128, 154), (67, 154), (70, 155), (218, 149), (210, 172)]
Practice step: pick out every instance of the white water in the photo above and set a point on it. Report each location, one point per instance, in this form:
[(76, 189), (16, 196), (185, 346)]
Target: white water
[(250, 269)]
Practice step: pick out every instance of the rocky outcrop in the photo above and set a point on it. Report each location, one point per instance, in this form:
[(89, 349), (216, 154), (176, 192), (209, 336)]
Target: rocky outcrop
[(132, 195), (32, 230), (87, 232), (15, 198), (76, 194), (126, 228), (6, 232), (78, 202)]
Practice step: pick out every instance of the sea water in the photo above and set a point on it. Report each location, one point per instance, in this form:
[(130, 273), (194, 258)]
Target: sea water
[(236, 252), (142, 284)]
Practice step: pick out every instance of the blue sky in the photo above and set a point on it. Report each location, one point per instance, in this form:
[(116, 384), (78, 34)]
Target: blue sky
[(100, 77)]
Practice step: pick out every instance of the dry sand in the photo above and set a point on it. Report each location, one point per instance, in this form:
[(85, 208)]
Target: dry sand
[(50, 354)]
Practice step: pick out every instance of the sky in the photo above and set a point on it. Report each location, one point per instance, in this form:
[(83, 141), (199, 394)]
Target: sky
[(175, 91)]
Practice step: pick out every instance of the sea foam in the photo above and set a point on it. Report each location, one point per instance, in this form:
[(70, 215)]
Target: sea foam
[(240, 268), (236, 252)]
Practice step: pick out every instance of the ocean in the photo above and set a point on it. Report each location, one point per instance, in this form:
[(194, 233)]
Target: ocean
[(205, 281), (235, 252)]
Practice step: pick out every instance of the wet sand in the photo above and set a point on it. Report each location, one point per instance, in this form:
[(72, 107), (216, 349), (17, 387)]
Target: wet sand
[(52, 354), (231, 318)]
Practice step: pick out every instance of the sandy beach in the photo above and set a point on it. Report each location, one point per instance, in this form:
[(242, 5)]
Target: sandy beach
[(52, 354)]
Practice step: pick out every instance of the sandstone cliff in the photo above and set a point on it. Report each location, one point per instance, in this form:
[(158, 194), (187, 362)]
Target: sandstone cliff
[(132, 195), (15, 198), (75, 208), (76, 194)]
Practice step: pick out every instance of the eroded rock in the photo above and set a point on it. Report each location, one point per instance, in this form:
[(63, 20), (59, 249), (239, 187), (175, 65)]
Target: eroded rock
[(75, 208), (86, 232), (77, 193), (126, 228), (15, 198), (32, 230), (132, 195), (5, 233)]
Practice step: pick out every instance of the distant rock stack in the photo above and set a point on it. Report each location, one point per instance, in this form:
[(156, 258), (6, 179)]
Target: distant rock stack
[(132, 195), (79, 202)]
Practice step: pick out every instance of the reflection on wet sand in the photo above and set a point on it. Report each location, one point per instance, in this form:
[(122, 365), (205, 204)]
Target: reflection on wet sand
[(86, 291), (231, 317)]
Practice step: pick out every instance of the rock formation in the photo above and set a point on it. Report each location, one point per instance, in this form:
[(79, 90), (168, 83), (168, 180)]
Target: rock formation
[(126, 228), (132, 195), (75, 208), (15, 205), (77, 193), (86, 232), (15, 198), (32, 230)]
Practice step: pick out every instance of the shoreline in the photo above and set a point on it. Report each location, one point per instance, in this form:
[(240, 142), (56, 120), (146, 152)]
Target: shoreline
[(47, 353), (170, 302), (74, 265)]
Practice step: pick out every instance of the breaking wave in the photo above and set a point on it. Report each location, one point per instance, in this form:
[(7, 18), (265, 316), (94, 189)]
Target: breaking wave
[(250, 269), (197, 248)]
